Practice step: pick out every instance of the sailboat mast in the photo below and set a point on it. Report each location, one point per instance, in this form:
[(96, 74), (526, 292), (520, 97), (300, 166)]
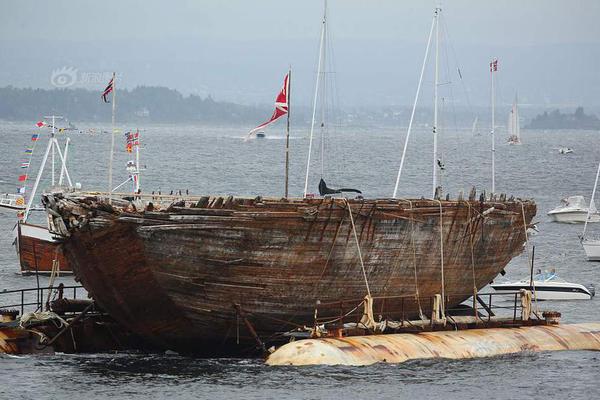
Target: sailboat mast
[(319, 69), (516, 117), (287, 132), (323, 98), (435, 103), (412, 114), (112, 139), (493, 68), (587, 218)]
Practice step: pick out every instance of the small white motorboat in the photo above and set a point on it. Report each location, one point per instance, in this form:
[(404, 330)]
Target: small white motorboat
[(12, 201), (574, 210), (548, 286), (565, 150)]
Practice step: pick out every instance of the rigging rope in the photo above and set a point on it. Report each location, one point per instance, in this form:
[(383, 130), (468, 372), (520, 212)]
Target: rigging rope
[(529, 258), (362, 265), (443, 305), (472, 259)]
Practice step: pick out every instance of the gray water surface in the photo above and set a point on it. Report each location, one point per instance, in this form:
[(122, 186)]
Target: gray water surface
[(211, 160)]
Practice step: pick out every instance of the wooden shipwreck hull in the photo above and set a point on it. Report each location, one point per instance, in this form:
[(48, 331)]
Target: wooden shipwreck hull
[(194, 276)]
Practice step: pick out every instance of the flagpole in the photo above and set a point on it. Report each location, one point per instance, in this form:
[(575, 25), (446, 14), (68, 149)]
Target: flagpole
[(112, 139), (137, 162), (287, 134), (52, 140)]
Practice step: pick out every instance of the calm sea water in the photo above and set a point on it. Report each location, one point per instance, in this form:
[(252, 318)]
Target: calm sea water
[(209, 160)]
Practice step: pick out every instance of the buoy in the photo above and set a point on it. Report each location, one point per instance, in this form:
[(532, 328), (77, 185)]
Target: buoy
[(462, 344)]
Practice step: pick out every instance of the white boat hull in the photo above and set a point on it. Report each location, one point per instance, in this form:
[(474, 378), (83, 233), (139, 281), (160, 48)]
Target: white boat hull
[(546, 292), (573, 217), (592, 249)]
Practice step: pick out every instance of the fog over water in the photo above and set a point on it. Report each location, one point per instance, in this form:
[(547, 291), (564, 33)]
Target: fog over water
[(238, 51)]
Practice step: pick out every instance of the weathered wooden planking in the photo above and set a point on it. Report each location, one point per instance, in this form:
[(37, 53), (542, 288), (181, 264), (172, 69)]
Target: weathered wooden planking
[(176, 282)]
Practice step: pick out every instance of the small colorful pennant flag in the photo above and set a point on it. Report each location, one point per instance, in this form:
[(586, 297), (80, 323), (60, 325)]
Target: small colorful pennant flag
[(21, 190), (24, 165), (35, 137), (22, 178), (28, 151), (40, 124)]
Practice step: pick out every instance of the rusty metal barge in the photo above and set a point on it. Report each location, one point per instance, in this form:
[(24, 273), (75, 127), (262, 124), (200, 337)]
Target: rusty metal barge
[(212, 275)]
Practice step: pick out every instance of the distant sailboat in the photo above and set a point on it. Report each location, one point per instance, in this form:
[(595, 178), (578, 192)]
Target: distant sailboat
[(514, 129), (475, 128)]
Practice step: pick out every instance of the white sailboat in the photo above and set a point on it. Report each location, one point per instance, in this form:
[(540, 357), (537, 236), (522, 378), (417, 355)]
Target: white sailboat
[(514, 128), (591, 245), (475, 127)]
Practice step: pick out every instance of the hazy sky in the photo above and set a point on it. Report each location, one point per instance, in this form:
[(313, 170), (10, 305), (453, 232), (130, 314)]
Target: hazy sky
[(238, 50), (499, 22)]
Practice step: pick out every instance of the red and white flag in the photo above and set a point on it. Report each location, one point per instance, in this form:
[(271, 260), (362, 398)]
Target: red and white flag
[(40, 124), (281, 105), (494, 65), (109, 88)]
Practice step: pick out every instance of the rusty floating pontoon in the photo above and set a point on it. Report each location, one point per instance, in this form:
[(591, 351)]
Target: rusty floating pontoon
[(339, 342), (473, 343)]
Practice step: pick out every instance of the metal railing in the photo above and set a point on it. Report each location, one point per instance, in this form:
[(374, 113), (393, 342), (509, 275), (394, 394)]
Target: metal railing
[(34, 299), (404, 309)]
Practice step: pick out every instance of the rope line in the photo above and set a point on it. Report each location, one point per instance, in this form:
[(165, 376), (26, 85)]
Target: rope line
[(443, 305), (362, 265)]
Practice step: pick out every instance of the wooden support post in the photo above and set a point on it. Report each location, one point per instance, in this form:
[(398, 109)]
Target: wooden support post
[(251, 329)]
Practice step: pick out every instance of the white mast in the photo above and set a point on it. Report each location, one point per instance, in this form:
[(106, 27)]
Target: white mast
[(112, 138), (319, 69), (52, 144), (587, 218), (412, 114), (53, 118), (37, 179), (493, 68), (435, 102)]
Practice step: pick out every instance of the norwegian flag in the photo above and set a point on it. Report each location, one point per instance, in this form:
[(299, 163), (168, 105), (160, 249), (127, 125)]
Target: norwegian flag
[(281, 105), (494, 65), (108, 89)]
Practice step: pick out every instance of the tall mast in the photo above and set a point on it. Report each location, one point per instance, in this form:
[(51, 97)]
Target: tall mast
[(323, 92), (112, 138), (435, 102), (287, 132), (412, 114), (319, 69), (493, 68)]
